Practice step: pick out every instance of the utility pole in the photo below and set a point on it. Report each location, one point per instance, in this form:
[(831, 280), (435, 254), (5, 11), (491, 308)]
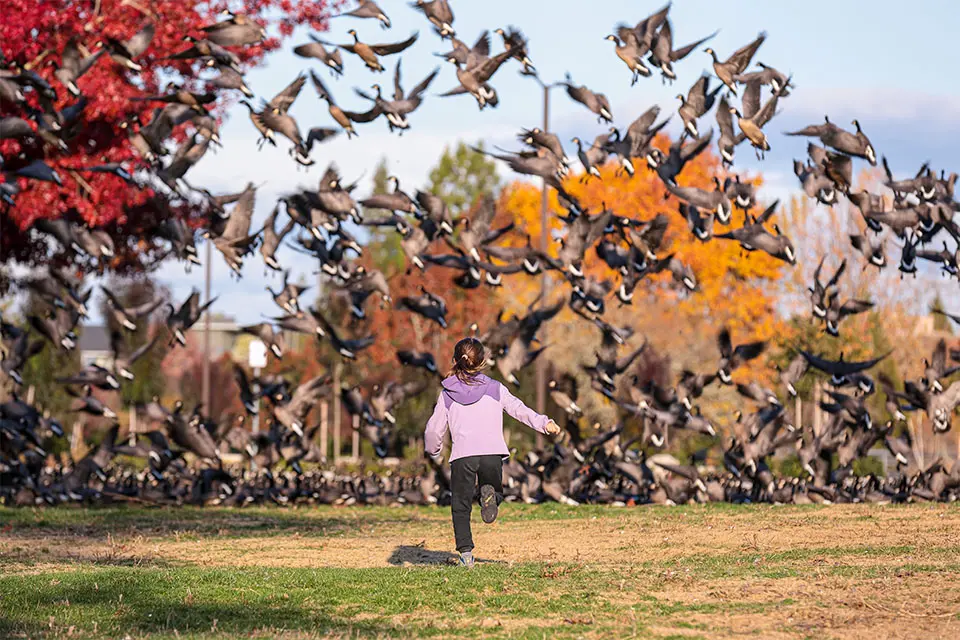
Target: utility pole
[(205, 385), (336, 411), (545, 278)]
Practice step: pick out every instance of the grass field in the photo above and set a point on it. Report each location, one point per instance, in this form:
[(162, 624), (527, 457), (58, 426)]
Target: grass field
[(547, 571)]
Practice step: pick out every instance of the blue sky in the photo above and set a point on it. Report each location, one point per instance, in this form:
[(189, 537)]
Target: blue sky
[(877, 61)]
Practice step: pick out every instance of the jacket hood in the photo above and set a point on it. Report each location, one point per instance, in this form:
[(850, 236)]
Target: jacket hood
[(463, 393)]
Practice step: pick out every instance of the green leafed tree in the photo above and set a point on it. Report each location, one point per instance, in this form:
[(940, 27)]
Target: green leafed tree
[(463, 175), (148, 379), (42, 370), (941, 323), (384, 242)]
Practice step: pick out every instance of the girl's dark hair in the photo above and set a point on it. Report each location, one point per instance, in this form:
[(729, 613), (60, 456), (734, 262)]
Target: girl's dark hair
[(469, 358)]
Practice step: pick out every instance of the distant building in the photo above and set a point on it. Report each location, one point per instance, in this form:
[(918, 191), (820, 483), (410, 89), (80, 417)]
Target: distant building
[(94, 346), (94, 341)]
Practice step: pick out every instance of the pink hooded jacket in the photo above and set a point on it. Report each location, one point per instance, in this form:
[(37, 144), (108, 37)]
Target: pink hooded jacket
[(474, 415)]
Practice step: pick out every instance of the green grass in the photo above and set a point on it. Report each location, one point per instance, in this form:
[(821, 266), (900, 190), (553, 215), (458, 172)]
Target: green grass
[(633, 593)]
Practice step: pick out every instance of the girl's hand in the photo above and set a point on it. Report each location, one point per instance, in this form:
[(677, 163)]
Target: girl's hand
[(552, 428)]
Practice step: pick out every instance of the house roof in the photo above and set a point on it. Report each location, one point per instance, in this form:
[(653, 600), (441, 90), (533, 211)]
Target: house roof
[(93, 338)]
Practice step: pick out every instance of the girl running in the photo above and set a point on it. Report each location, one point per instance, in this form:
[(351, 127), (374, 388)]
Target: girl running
[(471, 405)]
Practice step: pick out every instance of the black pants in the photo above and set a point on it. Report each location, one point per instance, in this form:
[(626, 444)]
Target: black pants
[(464, 474)]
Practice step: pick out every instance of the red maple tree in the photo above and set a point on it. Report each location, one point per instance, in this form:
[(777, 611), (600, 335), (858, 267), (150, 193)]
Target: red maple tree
[(33, 35)]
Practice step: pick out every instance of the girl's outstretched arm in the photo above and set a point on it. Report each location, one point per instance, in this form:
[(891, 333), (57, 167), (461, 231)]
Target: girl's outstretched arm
[(519, 411), (436, 428)]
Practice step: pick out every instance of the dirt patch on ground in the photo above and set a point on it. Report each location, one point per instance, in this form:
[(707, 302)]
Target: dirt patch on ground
[(851, 571), (622, 536)]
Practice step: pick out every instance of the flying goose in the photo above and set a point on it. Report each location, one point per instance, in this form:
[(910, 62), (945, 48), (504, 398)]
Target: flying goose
[(766, 76), (347, 348), (754, 117), (402, 105), (385, 398), (178, 95), (123, 358), (419, 359), (124, 52), (753, 236), (537, 138), (92, 376), (478, 231), (669, 166), (414, 243), (854, 144), (126, 316), (90, 404), (370, 53), (74, 64), (274, 117), (343, 118), (662, 53), (287, 298), (936, 370), (908, 253), (189, 312), (836, 166), (209, 51), (439, 14), (228, 78), (736, 64), (435, 209), (271, 338), (475, 80), (837, 312), (790, 376), (820, 292), (701, 226), (248, 397), (715, 201), (841, 369), (563, 400), (334, 198), (272, 239), (874, 253), (56, 327), (315, 49), (304, 322), (636, 142), (428, 305), (593, 157), (395, 200), (361, 285), (16, 356), (595, 102), (238, 30), (514, 40), (946, 258), (815, 182), (698, 101), (742, 194), (369, 9), (732, 357), (633, 43)]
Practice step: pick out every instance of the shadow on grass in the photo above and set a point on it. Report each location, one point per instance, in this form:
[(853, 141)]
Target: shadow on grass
[(412, 554), (115, 603)]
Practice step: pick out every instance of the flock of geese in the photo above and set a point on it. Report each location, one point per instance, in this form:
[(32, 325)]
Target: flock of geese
[(608, 465)]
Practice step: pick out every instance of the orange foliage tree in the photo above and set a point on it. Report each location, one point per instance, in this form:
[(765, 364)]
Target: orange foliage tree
[(735, 289)]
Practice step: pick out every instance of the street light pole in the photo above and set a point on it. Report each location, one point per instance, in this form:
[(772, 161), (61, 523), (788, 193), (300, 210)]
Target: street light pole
[(545, 282), (205, 384)]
